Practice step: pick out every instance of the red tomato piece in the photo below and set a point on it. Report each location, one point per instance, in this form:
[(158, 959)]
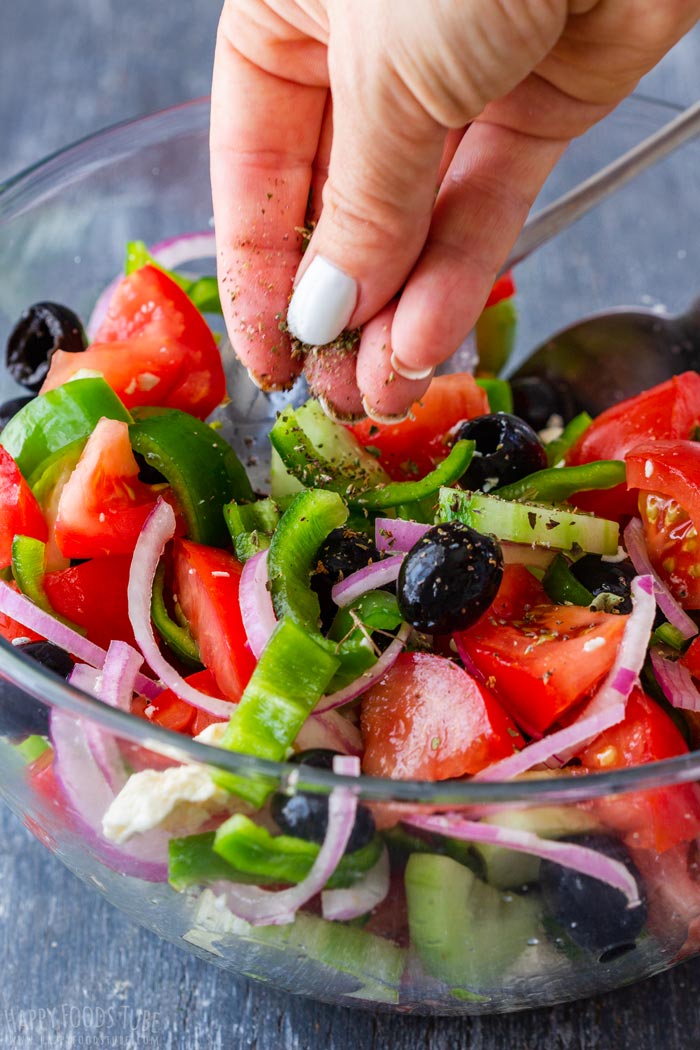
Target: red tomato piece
[(428, 718), (503, 288), (206, 583), (93, 595), (667, 411), (656, 819), (170, 711), (691, 657), (667, 473), (103, 505), (413, 448), (153, 348), (543, 664), (20, 514)]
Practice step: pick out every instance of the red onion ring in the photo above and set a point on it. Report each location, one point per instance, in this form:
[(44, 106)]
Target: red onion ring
[(397, 534), (345, 904), (676, 682), (158, 529), (371, 578), (329, 730), (119, 673), (255, 602), (262, 907), (568, 854), (24, 611), (607, 707), (674, 613), (369, 677)]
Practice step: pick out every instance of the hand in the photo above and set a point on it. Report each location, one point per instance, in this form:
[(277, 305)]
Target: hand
[(475, 98)]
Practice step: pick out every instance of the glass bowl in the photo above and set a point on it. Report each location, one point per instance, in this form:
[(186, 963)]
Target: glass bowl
[(480, 939)]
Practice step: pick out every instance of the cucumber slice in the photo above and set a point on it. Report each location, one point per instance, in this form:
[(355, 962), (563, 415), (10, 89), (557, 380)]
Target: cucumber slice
[(465, 932), (283, 485), (530, 523), (309, 956)]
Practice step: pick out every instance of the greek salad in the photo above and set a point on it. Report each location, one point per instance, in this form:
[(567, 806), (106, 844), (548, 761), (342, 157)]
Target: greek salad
[(497, 587)]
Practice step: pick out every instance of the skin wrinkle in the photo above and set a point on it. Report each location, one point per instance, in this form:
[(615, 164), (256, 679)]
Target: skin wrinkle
[(401, 75)]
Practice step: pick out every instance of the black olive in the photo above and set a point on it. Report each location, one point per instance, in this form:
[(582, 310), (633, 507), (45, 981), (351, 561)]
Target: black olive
[(305, 814), (593, 913), (536, 399), (343, 552), (10, 408), (606, 577), (449, 578), (507, 449), (42, 328), (20, 714)]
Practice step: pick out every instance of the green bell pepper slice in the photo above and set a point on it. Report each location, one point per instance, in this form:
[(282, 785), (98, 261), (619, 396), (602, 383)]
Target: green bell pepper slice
[(562, 586), (557, 449), (57, 418), (28, 560), (498, 391), (177, 637), (289, 679), (557, 484), (495, 333), (397, 493), (251, 526), (286, 858), (200, 466)]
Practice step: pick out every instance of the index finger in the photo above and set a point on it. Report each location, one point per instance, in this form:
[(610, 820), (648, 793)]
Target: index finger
[(264, 135)]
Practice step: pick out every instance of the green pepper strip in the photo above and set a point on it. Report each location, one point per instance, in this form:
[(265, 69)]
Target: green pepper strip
[(289, 679), (203, 291), (562, 586), (556, 484), (498, 392), (192, 861), (28, 557), (251, 526), (178, 639), (55, 419), (494, 333), (398, 492), (306, 523), (667, 634), (557, 449), (285, 858), (200, 466), (302, 460)]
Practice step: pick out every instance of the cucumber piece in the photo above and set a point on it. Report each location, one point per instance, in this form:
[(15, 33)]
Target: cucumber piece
[(465, 932), (283, 485), (309, 956), (508, 869), (531, 523)]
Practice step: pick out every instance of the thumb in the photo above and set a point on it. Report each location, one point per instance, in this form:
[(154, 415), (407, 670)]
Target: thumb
[(377, 199)]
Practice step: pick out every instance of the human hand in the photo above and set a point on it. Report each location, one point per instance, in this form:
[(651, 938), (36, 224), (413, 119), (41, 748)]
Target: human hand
[(477, 98)]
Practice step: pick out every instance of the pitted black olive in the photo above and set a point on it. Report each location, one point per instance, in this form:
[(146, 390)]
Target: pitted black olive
[(606, 577), (507, 449), (42, 329), (536, 399), (20, 714), (449, 578), (343, 552)]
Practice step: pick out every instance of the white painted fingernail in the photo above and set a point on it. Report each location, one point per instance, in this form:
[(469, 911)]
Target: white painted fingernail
[(377, 417), (322, 303), (409, 373)]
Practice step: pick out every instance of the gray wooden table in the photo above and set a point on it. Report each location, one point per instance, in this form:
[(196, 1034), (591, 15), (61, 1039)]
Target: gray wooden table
[(65, 70)]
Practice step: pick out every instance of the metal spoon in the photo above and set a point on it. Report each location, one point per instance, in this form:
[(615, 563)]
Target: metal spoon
[(615, 354)]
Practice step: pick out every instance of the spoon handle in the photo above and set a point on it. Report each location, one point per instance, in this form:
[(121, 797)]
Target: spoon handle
[(573, 205)]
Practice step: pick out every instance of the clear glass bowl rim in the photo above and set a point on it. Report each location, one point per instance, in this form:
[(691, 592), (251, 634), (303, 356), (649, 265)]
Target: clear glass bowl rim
[(46, 687)]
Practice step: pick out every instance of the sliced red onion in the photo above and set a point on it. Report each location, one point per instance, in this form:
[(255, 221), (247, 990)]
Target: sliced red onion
[(119, 673), (369, 677), (397, 534), (254, 599), (607, 707), (101, 743), (159, 527), (360, 899), (676, 682), (674, 613), (24, 611), (262, 907), (570, 855), (329, 730), (87, 790), (170, 253), (371, 578)]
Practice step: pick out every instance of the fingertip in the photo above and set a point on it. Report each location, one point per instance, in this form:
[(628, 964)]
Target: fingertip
[(331, 375), (387, 395)]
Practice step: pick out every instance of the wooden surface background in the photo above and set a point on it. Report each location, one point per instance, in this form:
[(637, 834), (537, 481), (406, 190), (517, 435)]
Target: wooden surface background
[(67, 69)]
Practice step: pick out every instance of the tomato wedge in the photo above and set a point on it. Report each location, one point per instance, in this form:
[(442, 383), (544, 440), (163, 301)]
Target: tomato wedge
[(93, 595), (670, 410), (170, 711), (412, 448), (103, 505), (657, 819), (153, 348), (20, 514), (428, 718), (543, 664), (206, 584)]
